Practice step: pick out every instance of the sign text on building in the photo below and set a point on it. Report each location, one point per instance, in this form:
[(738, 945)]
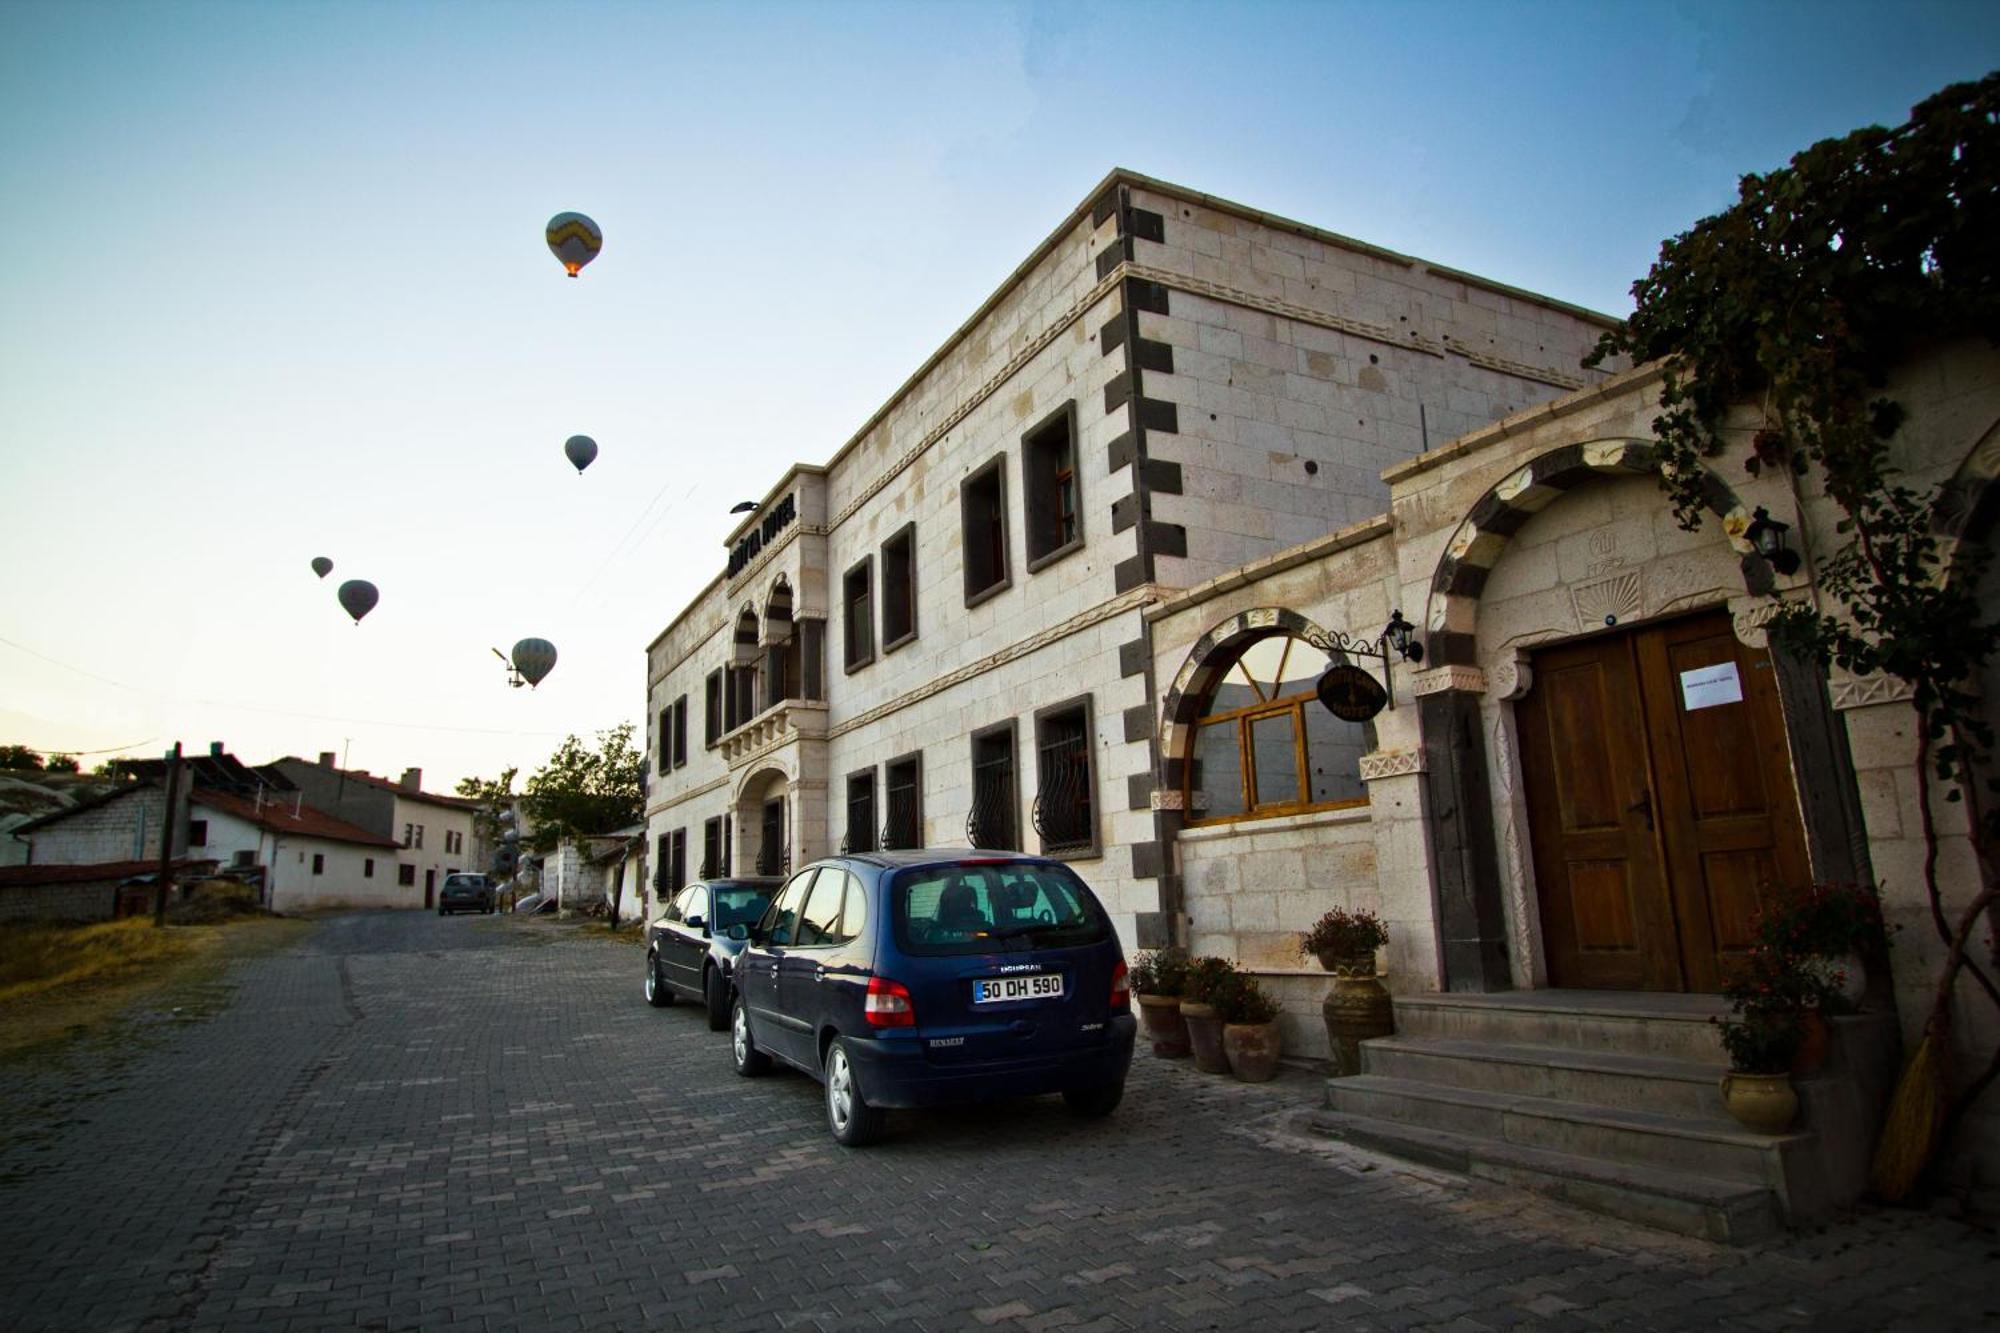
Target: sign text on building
[(750, 543)]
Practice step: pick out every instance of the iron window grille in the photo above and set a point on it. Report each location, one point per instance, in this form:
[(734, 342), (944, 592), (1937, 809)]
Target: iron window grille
[(773, 859), (990, 825), (1065, 816), (860, 813), (904, 826)]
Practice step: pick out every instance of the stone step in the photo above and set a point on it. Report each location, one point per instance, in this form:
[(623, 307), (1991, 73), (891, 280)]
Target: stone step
[(1728, 1212), (1671, 1026), (1718, 1149), (1606, 1078)]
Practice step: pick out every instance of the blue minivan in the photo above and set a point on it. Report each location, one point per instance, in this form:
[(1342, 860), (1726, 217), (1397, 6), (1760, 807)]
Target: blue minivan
[(923, 978)]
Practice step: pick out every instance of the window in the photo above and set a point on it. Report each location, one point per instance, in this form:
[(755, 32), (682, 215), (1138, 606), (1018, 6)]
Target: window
[(819, 923), (244, 858), (677, 856), (714, 859), (409, 830), (857, 614), (406, 875), (1066, 781), (319, 863), (742, 702), (420, 837), (664, 883), (1263, 745), (368, 867), (711, 708), (994, 798), (1049, 494), (982, 503), (782, 917), (903, 787), (860, 812), (197, 833), (666, 760), (899, 588), (975, 909), (680, 731)]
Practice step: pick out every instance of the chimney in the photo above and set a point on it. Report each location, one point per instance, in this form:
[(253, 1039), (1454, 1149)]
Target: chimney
[(215, 750), (326, 759), (413, 779)]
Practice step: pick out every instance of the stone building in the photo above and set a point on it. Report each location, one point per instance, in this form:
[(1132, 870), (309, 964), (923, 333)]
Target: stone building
[(941, 635), (434, 835)]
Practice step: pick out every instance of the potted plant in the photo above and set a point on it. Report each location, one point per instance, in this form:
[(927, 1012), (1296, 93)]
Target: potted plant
[(1358, 1007), (1207, 982), (1157, 978), (1830, 927), (1250, 1038), (1762, 1044)]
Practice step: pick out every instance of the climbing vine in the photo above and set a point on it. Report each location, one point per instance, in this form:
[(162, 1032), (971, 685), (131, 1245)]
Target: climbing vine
[(1799, 300)]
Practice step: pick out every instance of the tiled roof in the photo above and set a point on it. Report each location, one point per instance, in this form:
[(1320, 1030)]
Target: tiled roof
[(102, 798), (386, 784), (289, 818), (15, 877)]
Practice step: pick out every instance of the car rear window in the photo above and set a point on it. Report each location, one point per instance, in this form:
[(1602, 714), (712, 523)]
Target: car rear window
[(465, 882), (994, 908), (736, 905)]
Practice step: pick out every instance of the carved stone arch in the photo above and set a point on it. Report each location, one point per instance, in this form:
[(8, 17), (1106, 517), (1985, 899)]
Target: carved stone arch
[(744, 645), (759, 778), (1209, 657), (1469, 558), (778, 611), (1968, 505)]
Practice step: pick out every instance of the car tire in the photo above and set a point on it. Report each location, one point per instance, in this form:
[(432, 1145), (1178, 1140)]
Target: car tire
[(442, 912), (853, 1121), (1095, 1102), (743, 1052), (657, 993), (715, 993)]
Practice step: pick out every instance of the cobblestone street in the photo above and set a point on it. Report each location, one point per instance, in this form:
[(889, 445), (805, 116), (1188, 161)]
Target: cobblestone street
[(413, 1123)]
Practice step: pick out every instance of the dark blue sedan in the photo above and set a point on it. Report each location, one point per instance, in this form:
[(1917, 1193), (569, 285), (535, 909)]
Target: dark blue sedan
[(691, 949), (921, 978)]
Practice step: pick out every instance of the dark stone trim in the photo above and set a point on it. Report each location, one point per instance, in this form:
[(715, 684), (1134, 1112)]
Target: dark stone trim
[(1119, 389), (1155, 414), (1139, 791), (1124, 512), (1111, 337), (1122, 450), (1152, 355), (1111, 256), (1166, 538), (1173, 774), (1452, 648), (1104, 207), (1138, 721), (1132, 658), (1155, 929), (1144, 294), (1458, 579), (1465, 862), (1148, 860), (1145, 225), (1130, 574), (1160, 477)]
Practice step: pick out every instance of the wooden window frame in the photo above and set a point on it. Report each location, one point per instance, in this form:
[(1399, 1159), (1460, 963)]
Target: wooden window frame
[(1049, 465), (899, 557), (1044, 717), (1242, 719), (995, 472), (856, 652)]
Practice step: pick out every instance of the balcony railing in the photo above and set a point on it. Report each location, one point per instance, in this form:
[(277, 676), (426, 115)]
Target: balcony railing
[(773, 860)]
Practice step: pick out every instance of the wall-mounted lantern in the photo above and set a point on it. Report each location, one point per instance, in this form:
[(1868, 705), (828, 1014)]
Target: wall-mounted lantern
[(1401, 635), (1767, 536)]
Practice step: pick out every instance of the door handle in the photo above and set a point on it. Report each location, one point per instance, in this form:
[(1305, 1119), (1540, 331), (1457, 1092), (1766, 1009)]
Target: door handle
[(1643, 806), (819, 974)]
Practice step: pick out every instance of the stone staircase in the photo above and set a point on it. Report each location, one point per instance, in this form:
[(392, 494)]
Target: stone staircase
[(1610, 1100)]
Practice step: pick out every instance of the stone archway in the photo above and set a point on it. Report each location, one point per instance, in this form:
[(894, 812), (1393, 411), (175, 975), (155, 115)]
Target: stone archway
[(1210, 656), (764, 817)]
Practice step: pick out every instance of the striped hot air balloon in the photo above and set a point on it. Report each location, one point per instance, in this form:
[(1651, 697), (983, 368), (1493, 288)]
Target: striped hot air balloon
[(574, 240)]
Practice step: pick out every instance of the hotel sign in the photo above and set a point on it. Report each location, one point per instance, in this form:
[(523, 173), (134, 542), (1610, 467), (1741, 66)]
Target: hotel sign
[(780, 517)]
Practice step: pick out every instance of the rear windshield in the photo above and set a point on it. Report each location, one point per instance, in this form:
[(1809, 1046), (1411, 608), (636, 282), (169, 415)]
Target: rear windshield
[(970, 909), (465, 882), (738, 905)]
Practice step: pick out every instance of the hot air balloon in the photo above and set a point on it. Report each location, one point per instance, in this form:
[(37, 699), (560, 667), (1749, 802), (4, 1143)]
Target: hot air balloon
[(358, 597), (322, 566), (575, 240), (581, 450), (534, 659)]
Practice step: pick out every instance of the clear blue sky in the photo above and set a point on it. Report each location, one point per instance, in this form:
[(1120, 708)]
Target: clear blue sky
[(277, 286)]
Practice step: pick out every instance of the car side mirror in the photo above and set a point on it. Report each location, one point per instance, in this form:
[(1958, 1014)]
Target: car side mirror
[(698, 922), (740, 933)]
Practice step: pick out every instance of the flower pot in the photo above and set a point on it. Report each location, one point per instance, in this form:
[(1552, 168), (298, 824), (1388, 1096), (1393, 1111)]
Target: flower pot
[(1761, 1103), (1356, 1009), (1815, 1042), (1361, 964), (1165, 1027), (1204, 1027), (1251, 1049)]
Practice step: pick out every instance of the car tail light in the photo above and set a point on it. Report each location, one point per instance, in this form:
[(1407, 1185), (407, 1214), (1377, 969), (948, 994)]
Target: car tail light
[(1121, 991), (888, 1004)]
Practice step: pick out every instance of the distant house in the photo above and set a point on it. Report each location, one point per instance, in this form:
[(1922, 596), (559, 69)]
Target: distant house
[(82, 892), (124, 824), (434, 835), (307, 858)]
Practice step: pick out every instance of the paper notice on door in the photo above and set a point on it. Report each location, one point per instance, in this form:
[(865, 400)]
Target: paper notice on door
[(1711, 686)]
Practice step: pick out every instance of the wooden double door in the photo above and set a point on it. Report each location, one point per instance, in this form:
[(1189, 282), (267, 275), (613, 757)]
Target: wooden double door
[(1660, 803)]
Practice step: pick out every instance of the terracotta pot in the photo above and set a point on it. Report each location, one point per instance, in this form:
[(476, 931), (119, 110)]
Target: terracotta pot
[(1348, 964), (1357, 1008), (1251, 1049), (1204, 1027), (1165, 1027), (1761, 1103), (1816, 1040)]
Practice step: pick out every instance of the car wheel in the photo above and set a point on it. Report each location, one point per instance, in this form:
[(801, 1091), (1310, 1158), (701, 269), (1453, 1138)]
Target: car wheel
[(657, 993), (1094, 1102), (853, 1121), (743, 1052), (442, 912), (715, 991)]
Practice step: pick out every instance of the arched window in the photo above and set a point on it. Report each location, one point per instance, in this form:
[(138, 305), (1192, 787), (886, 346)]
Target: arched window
[(1263, 744)]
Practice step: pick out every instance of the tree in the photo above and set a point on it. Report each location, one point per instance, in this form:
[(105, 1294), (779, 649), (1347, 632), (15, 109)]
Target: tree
[(581, 791), (63, 763), (494, 795), (20, 758), (1800, 299)]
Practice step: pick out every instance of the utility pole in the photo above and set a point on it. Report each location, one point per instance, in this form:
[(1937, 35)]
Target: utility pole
[(167, 837)]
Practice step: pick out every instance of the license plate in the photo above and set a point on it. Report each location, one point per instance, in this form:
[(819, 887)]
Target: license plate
[(1028, 986)]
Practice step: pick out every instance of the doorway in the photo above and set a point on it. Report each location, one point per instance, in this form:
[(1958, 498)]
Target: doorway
[(1660, 803), (430, 888)]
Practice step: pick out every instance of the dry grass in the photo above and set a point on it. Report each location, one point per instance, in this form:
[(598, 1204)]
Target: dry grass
[(60, 981)]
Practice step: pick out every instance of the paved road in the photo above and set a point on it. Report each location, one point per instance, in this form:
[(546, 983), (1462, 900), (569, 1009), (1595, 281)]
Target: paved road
[(413, 1123)]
